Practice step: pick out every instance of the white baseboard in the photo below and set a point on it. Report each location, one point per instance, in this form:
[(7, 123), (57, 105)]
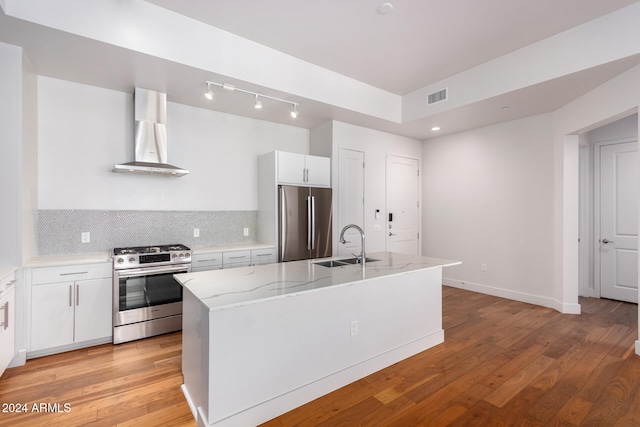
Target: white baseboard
[(514, 295), (638, 347)]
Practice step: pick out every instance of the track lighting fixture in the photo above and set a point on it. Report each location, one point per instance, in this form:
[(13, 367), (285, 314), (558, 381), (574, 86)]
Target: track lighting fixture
[(208, 94), (257, 104)]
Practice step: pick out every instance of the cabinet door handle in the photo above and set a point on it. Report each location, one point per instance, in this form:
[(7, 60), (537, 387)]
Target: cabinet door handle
[(5, 317), (237, 257), (73, 274), (77, 294), (70, 296)]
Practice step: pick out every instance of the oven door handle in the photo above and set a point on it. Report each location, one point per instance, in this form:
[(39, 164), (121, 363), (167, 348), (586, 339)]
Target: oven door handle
[(149, 271)]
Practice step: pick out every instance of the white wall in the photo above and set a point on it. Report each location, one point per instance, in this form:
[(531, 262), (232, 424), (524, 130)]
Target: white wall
[(625, 128), (10, 140), (546, 255), (487, 199), (85, 130), (375, 145), (18, 145), (29, 162)]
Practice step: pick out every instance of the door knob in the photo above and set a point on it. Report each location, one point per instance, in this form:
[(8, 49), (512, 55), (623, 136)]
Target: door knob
[(605, 241), (392, 234)]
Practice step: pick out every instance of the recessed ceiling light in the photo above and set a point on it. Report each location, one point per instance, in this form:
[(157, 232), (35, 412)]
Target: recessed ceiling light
[(435, 128), (385, 8)]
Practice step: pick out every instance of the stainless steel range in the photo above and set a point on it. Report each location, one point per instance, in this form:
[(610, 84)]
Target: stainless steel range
[(147, 300)]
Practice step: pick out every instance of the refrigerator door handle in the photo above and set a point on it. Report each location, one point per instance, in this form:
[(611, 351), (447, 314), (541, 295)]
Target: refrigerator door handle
[(309, 221), (283, 223), (313, 222)]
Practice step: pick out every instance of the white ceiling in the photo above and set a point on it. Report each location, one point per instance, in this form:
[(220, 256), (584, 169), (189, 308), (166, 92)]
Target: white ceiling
[(421, 42)]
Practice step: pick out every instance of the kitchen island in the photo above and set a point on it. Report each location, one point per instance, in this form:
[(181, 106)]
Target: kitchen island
[(260, 341)]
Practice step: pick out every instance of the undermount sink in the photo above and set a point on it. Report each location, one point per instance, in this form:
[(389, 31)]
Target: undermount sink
[(331, 263), (357, 260), (342, 262)]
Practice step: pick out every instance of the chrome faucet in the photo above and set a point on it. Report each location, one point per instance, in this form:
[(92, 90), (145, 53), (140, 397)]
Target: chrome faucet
[(362, 253)]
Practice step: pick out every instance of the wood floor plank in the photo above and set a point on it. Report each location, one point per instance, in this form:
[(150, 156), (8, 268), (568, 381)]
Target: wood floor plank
[(503, 364), (553, 369)]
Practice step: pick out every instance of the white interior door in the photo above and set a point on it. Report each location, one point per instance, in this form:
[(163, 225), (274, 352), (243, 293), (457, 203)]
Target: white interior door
[(617, 243), (350, 198), (403, 207)]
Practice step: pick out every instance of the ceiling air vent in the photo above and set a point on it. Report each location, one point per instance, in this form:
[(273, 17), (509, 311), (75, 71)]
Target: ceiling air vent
[(438, 96)]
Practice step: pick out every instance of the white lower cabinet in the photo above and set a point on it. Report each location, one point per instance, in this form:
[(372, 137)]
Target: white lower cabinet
[(70, 312), (94, 309), (264, 256), (206, 261), (232, 259), (236, 259), (7, 322)]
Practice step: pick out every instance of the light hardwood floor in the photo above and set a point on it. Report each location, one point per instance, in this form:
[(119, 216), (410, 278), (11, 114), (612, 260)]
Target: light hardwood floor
[(503, 363)]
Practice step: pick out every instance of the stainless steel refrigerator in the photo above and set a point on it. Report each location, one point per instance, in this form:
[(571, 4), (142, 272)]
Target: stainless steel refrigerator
[(305, 222)]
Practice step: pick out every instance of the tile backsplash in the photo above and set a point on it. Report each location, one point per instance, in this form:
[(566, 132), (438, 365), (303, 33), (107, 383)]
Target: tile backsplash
[(60, 230)]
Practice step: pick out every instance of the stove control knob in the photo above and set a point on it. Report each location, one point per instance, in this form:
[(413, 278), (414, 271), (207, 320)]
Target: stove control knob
[(181, 255), (187, 255), (174, 256), (132, 259), (120, 260)]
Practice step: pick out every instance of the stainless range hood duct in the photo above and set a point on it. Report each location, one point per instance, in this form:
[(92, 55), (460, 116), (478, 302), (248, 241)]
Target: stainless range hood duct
[(150, 137)]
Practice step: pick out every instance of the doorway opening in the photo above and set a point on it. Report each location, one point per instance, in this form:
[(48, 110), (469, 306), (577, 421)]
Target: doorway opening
[(608, 206)]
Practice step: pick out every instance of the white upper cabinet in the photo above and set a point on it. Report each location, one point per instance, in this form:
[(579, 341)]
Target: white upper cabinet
[(302, 169)]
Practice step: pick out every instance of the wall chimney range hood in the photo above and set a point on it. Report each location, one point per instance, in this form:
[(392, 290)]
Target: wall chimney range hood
[(150, 137)]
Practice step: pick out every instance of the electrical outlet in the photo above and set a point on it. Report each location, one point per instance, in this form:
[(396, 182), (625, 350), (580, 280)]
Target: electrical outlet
[(246, 231), (354, 328), (85, 237), (196, 232), (483, 267)]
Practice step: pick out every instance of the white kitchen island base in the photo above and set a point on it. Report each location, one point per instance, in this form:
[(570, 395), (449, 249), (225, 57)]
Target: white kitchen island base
[(312, 330)]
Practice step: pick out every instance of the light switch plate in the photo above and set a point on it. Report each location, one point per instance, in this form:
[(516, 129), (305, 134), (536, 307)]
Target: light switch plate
[(86, 237)]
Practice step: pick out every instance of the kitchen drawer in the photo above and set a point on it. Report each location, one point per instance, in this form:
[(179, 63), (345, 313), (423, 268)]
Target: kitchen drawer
[(264, 256), (71, 273), (236, 258), (206, 261), (7, 283)]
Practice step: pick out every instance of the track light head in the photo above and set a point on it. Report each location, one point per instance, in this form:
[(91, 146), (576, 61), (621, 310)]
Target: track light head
[(258, 104), (294, 112), (208, 94)]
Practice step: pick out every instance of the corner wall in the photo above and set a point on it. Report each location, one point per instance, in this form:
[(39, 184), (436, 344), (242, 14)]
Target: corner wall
[(488, 202), (548, 270)]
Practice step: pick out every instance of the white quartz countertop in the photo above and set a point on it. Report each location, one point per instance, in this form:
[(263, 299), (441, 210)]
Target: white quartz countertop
[(75, 259), (219, 289)]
